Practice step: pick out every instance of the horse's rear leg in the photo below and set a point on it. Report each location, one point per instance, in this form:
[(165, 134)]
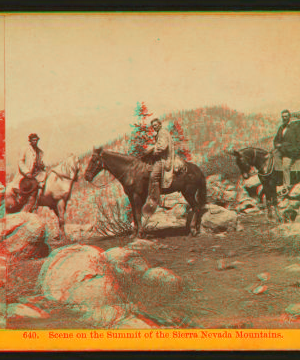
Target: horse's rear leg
[(197, 200), (60, 213), (192, 222)]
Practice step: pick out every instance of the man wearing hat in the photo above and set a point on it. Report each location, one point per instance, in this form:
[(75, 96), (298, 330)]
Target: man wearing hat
[(31, 167), (162, 171), (287, 145)]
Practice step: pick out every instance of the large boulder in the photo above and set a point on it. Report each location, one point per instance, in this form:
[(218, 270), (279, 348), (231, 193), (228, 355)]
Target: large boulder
[(171, 200), (287, 230), (252, 182), (126, 264), (24, 237), (142, 246), (287, 235), (218, 219), (162, 281), (162, 219), (26, 311), (102, 290), (107, 316), (69, 266), (132, 322), (295, 192)]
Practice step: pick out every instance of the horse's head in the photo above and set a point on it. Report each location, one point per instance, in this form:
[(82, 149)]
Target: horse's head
[(95, 164), (242, 162)]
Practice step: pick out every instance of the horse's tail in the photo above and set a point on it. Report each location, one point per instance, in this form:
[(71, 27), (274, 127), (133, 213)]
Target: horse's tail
[(201, 194)]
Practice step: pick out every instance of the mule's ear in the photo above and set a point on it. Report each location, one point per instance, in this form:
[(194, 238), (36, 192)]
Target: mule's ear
[(236, 153)]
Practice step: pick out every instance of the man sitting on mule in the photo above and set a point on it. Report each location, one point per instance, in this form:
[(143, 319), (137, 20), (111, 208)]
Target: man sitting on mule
[(30, 178), (162, 172), (287, 145)]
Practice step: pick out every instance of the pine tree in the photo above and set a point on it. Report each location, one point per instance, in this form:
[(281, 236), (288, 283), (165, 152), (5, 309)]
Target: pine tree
[(142, 134), (180, 142)]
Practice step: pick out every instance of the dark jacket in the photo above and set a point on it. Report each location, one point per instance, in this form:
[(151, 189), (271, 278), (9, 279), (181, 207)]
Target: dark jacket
[(290, 141)]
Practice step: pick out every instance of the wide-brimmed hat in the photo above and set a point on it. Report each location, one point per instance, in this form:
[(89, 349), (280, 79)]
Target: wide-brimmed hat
[(27, 186), (33, 136)]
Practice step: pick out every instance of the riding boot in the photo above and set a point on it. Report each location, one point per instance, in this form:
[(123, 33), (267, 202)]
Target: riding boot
[(31, 204), (152, 200)]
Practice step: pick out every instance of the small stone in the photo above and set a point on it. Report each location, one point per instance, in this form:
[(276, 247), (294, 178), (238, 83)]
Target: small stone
[(264, 276), (252, 210), (221, 264), (239, 227), (292, 268), (236, 263), (231, 253), (293, 309), (191, 261), (259, 289)]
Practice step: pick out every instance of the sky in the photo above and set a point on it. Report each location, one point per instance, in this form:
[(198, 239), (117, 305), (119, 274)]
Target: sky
[(95, 68)]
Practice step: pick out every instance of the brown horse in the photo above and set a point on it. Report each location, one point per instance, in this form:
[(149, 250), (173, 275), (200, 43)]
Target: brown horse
[(133, 174)]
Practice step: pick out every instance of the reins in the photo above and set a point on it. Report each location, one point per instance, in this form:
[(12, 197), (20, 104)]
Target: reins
[(108, 169)]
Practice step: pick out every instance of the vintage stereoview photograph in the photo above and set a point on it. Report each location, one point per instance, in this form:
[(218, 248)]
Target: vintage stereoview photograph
[(152, 171), (3, 257)]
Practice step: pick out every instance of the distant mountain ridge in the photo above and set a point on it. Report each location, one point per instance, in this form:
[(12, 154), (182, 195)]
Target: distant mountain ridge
[(208, 132)]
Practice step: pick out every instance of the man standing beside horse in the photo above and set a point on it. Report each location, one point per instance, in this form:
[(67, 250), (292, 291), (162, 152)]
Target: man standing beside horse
[(29, 180), (162, 172), (287, 145)]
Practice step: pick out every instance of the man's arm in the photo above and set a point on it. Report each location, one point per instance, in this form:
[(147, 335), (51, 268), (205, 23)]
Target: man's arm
[(23, 168), (278, 138), (162, 142), (41, 162)]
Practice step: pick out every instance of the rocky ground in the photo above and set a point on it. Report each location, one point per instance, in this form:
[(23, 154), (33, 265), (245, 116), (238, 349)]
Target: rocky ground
[(240, 279)]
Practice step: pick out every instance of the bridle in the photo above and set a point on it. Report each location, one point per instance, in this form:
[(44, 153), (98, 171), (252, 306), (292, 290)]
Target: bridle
[(271, 162), (105, 167)]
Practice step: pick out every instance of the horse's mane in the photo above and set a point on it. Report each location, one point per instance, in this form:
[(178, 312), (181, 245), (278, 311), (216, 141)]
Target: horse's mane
[(137, 164), (67, 167), (254, 148)]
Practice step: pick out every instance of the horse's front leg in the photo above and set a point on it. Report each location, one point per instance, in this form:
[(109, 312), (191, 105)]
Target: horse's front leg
[(269, 210), (136, 206), (279, 217)]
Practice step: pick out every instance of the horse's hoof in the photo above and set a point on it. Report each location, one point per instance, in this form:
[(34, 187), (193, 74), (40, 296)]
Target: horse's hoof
[(194, 233), (133, 237)]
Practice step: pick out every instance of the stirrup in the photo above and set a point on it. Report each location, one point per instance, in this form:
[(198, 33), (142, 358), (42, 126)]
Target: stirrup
[(284, 191)]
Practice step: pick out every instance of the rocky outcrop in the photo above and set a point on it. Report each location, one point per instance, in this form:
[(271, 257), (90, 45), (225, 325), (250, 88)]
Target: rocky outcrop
[(218, 220), (24, 236), (68, 266)]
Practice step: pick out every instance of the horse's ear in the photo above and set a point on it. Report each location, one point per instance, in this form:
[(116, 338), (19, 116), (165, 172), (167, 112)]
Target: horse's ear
[(233, 153), (98, 150)]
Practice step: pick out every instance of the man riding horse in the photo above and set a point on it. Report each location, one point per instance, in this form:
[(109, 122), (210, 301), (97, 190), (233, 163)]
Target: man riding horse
[(31, 174), (287, 145), (162, 172)]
